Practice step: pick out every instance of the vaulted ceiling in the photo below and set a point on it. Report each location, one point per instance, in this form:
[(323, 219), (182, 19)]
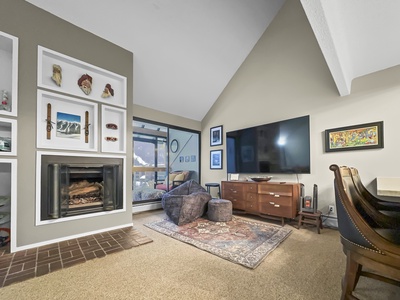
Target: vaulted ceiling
[(186, 51)]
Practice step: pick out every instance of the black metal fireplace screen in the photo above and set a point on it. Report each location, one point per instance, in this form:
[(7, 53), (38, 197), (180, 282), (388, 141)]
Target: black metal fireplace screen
[(76, 185)]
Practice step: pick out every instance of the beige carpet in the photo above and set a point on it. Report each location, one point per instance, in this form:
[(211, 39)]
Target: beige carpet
[(306, 266)]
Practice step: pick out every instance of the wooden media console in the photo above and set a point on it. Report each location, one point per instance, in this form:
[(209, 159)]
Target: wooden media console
[(265, 199)]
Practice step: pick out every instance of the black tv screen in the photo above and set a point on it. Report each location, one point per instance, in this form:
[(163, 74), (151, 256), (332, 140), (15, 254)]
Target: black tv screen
[(280, 147)]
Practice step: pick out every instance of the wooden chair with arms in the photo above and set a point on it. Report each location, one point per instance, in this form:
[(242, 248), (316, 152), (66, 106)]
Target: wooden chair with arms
[(364, 244), (377, 203)]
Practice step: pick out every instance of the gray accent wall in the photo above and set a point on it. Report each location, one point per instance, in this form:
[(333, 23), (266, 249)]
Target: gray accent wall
[(34, 27)]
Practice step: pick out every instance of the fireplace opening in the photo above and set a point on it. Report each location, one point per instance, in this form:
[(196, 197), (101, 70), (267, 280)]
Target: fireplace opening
[(85, 188), (76, 185)]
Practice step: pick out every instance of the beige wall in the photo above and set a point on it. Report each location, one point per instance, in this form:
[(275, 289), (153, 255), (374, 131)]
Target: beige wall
[(35, 27), (161, 117), (286, 76)]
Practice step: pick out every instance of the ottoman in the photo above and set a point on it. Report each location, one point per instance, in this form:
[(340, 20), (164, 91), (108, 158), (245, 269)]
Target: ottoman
[(219, 210)]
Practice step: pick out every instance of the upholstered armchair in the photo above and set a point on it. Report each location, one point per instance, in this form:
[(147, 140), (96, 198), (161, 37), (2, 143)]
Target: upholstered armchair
[(371, 250), (185, 203)]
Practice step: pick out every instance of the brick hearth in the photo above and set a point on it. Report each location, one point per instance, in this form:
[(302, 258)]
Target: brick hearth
[(26, 264)]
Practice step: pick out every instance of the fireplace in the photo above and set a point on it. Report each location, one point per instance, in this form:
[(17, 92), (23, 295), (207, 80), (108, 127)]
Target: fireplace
[(72, 185)]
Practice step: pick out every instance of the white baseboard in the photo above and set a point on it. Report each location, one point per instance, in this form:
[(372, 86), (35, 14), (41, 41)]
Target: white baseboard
[(137, 208), (66, 238), (330, 221)]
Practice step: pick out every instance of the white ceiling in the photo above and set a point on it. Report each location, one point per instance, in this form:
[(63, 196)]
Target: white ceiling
[(186, 51)]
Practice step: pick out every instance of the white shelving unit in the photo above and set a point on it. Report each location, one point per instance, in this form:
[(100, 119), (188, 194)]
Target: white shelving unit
[(8, 136)]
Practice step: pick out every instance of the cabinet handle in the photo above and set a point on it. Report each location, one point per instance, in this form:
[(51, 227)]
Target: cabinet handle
[(277, 196), (277, 205), (271, 193), (272, 203)]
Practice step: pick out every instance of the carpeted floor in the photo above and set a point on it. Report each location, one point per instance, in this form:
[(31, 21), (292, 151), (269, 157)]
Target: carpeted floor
[(306, 266), (241, 241)]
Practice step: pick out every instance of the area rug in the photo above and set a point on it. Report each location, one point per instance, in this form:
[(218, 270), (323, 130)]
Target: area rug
[(240, 241)]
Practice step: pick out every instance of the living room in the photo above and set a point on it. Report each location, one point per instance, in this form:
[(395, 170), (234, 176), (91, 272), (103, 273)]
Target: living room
[(285, 76)]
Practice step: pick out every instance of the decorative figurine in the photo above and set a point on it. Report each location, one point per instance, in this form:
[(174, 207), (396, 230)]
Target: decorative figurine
[(108, 91), (112, 126), (111, 139), (57, 76), (85, 83), (4, 101)]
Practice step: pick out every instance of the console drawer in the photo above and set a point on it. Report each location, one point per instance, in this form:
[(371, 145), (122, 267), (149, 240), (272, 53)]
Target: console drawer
[(281, 206), (251, 206), (275, 189)]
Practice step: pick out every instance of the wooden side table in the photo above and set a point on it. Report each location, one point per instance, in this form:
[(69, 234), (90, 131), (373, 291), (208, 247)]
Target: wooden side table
[(311, 218)]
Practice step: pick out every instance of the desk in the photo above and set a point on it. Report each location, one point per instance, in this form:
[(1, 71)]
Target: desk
[(388, 186), (311, 218)]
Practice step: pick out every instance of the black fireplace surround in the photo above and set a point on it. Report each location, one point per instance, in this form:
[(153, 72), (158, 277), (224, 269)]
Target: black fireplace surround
[(72, 185)]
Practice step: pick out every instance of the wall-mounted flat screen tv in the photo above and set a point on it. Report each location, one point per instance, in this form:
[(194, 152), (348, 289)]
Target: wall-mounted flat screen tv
[(280, 147)]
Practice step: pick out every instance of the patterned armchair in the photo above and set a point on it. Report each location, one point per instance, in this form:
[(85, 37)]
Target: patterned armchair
[(185, 203)]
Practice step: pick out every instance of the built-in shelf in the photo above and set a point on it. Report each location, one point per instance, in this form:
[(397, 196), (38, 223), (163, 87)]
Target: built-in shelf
[(70, 70), (8, 137), (66, 123), (8, 198), (113, 129), (8, 74)]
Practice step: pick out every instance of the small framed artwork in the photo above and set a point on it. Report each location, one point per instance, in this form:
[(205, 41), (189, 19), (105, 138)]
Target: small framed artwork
[(234, 177), (216, 159), (216, 136), (356, 137)]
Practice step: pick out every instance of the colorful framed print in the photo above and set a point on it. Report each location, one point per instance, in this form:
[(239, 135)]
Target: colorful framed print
[(356, 137)]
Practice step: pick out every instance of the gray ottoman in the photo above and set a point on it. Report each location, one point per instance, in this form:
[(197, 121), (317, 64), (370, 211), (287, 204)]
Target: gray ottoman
[(219, 210)]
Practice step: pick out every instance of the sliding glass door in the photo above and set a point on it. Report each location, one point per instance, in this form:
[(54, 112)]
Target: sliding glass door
[(163, 157)]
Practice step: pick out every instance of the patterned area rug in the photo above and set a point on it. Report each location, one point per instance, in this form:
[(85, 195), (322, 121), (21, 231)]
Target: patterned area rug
[(240, 241)]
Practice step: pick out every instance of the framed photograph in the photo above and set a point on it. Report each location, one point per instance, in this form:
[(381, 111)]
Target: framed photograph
[(216, 136), (356, 137), (216, 159), (66, 123)]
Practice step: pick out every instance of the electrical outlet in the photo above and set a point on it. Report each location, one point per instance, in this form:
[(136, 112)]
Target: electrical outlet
[(331, 209)]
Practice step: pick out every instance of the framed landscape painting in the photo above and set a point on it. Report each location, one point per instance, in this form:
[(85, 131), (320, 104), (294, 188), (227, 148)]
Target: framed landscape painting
[(356, 137)]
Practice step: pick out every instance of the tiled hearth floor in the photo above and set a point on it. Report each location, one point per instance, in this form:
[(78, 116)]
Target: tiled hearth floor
[(26, 264)]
